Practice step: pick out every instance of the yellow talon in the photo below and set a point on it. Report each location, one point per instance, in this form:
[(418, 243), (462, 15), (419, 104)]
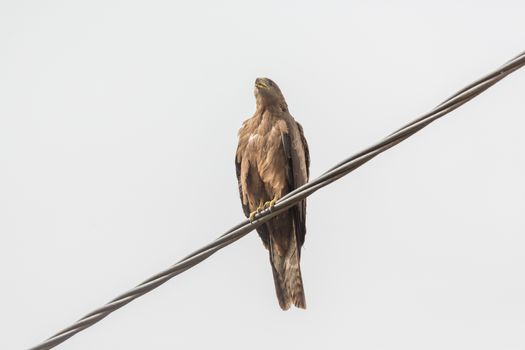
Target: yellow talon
[(260, 207), (257, 211), (270, 204), (252, 216)]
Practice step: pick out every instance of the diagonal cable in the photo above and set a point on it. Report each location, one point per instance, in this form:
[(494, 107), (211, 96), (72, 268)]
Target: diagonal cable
[(291, 199)]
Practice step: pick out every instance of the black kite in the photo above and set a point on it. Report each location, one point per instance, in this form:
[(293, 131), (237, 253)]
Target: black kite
[(272, 159)]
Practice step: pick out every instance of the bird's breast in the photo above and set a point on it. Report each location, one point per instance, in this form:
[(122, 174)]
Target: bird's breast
[(253, 139)]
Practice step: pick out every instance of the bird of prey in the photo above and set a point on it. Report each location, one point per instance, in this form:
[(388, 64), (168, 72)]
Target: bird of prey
[(272, 159)]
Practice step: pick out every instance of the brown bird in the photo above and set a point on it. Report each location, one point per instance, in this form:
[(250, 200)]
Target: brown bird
[(272, 159)]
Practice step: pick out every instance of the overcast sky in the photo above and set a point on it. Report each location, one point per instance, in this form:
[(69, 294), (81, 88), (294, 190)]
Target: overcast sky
[(118, 128)]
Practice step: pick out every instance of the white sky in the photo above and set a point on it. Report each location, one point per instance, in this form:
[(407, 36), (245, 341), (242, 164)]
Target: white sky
[(118, 123)]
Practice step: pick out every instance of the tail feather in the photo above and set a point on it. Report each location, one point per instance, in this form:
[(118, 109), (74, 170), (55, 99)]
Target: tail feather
[(280, 289), (287, 276), (294, 281)]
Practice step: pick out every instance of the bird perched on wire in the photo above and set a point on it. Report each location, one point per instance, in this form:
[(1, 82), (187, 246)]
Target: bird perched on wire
[(272, 159)]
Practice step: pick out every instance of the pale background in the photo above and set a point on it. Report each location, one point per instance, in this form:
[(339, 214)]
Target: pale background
[(118, 124)]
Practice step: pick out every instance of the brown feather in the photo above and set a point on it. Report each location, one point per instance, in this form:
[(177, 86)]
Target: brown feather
[(271, 160)]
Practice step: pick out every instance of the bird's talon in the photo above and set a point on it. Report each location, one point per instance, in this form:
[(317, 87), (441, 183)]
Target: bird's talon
[(260, 208), (270, 204), (252, 216)]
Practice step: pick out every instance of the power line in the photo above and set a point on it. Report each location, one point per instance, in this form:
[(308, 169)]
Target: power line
[(292, 198)]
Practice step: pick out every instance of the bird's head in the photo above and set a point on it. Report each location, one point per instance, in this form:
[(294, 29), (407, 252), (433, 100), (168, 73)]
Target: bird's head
[(267, 93)]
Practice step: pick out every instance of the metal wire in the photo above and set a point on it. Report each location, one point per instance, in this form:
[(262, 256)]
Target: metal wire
[(291, 199)]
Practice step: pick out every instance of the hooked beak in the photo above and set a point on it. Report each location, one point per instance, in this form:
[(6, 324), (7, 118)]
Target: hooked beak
[(260, 84)]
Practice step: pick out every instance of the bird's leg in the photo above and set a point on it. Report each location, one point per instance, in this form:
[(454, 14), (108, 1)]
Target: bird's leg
[(271, 203), (257, 211)]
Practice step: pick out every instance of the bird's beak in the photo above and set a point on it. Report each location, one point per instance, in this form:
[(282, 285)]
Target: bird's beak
[(261, 84)]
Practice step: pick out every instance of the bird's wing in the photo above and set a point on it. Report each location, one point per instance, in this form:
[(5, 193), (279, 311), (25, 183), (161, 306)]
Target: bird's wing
[(297, 173), (306, 150), (242, 175), (238, 161)]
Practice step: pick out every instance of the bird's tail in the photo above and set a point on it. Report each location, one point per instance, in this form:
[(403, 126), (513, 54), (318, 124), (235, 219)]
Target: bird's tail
[(287, 275)]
